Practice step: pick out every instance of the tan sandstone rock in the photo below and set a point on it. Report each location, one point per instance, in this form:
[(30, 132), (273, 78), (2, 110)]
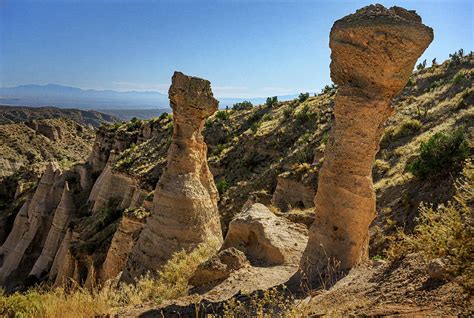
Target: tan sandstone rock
[(373, 54), (111, 186), (185, 201), (30, 230), (290, 194), (219, 267), (266, 239), (63, 213), (120, 247)]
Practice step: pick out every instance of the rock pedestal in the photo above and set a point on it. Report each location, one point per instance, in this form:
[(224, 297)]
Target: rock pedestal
[(373, 54), (185, 210)]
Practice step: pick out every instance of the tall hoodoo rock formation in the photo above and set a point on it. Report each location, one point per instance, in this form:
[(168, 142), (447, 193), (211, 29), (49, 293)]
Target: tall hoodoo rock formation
[(185, 201), (373, 54)]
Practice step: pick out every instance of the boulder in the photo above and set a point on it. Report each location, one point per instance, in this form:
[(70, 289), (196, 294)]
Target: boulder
[(266, 239), (437, 270), (219, 267)]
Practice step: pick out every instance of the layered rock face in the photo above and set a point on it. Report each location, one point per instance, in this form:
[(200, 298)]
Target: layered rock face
[(111, 186), (63, 213), (185, 201), (373, 54), (31, 226), (120, 247)]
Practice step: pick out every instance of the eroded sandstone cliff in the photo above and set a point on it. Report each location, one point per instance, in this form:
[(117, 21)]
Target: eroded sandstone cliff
[(31, 227)]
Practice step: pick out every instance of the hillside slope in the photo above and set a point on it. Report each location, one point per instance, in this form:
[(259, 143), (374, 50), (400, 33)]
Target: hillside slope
[(18, 114), (270, 154)]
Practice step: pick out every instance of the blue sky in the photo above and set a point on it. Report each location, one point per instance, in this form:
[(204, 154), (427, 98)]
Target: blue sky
[(245, 48)]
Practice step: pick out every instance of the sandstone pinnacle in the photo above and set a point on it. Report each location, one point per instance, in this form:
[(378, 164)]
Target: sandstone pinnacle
[(373, 53), (185, 210)]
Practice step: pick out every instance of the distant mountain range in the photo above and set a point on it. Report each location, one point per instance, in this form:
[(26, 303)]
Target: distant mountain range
[(73, 97)]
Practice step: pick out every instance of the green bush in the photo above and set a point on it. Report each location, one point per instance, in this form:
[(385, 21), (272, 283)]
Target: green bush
[(443, 152), (303, 115), (329, 89), (222, 185), (164, 115), (271, 101), (267, 117), (458, 78), (303, 96), (223, 114), (287, 112), (255, 126), (134, 124), (242, 105), (445, 232), (219, 148), (421, 66)]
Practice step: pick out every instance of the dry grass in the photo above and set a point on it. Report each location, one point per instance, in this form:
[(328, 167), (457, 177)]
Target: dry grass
[(445, 232), (51, 303)]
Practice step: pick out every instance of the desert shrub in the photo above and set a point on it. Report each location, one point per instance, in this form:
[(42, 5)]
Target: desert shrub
[(208, 123), (136, 213), (304, 115), (57, 302), (267, 117), (287, 113), (407, 128), (242, 105), (456, 57), (325, 138), (410, 82), (53, 303), (329, 89), (222, 186), (223, 114), (443, 152), (436, 84), (458, 78), (133, 125), (172, 281), (124, 163), (421, 66), (271, 101), (219, 148), (150, 196), (445, 232), (164, 115), (255, 126), (303, 96)]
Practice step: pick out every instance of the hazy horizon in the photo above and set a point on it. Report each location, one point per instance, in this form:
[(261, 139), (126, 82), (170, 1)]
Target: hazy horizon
[(246, 49)]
